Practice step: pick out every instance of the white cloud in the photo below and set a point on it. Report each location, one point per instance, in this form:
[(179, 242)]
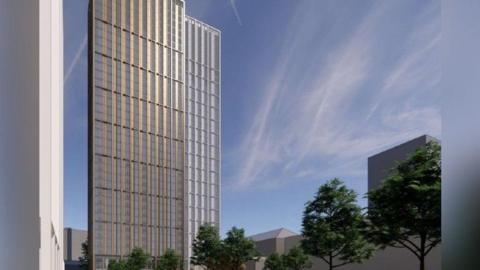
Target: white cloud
[(265, 146), (327, 128), (76, 59), (233, 3)]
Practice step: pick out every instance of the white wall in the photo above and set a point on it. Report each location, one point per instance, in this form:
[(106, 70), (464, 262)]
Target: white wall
[(31, 134)]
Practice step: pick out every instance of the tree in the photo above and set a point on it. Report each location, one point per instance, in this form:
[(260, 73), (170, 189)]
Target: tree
[(274, 262), (332, 226), (170, 261), (231, 253), (84, 258), (238, 250), (138, 259), (207, 248), (120, 265), (405, 211), (296, 259)]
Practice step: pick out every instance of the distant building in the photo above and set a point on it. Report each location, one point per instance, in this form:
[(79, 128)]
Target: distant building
[(380, 165), (282, 240), (276, 241), (272, 241), (72, 247)]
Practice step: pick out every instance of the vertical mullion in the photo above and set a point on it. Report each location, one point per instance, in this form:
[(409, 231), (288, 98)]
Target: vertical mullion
[(104, 49), (114, 117)]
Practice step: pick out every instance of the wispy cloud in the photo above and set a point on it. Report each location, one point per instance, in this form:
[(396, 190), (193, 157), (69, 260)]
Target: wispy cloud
[(233, 4), (76, 59), (268, 146), (414, 68), (316, 118)]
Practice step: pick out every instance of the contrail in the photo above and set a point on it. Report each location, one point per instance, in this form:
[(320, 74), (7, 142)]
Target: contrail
[(76, 58), (235, 10)]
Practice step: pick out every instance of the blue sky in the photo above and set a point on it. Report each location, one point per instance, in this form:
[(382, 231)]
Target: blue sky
[(311, 88)]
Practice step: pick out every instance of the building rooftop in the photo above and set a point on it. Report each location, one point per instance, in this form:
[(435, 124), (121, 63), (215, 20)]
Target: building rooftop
[(278, 233), (424, 138)]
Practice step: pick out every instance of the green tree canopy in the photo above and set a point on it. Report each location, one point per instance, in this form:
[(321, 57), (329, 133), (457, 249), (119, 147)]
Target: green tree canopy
[(238, 250), (138, 259), (332, 226), (274, 262), (231, 253), (296, 259), (405, 211), (84, 259), (120, 265), (170, 261), (207, 248)]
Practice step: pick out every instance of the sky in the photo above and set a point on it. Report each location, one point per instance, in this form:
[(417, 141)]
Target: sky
[(310, 90)]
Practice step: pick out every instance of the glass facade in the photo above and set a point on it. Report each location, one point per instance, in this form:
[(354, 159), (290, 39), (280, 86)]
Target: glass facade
[(154, 128), (136, 128), (203, 126)]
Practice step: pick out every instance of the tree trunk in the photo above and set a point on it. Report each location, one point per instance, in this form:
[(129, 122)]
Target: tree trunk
[(422, 251), (330, 261)]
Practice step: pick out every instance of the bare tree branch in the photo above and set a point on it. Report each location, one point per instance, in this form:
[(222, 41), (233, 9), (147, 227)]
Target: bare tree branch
[(409, 248), (431, 246)]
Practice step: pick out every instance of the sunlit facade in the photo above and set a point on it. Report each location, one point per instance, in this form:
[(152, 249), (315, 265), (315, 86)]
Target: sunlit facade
[(136, 128), (154, 147), (203, 125)]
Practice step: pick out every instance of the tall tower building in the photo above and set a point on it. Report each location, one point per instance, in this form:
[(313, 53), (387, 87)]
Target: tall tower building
[(31, 134), (154, 162), (136, 128), (203, 126)]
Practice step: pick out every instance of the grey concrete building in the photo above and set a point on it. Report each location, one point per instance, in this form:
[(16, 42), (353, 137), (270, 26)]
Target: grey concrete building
[(282, 240), (72, 247), (380, 165), (266, 243), (272, 241)]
